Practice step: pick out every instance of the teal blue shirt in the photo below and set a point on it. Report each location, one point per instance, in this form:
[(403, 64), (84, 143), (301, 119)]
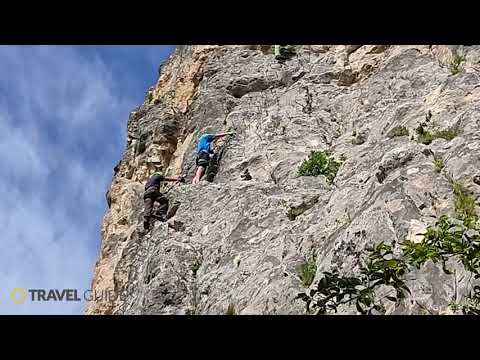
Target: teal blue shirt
[(205, 142)]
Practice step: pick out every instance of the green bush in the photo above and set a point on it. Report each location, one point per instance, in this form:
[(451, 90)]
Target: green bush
[(418, 254), (379, 269), (449, 238), (448, 134), (471, 304), (398, 131), (464, 204), (426, 137), (307, 271), (439, 164), (454, 65), (446, 239), (319, 163), (231, 310), (286, 51)]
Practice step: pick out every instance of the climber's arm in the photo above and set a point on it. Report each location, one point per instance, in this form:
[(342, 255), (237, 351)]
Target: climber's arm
[(218, 136), (174, 178)]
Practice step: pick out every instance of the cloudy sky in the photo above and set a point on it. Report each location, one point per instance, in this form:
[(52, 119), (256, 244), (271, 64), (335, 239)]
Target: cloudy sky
[(63, 116)]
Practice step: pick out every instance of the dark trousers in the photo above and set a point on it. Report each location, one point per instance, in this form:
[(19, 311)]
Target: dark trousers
[(150, 197)]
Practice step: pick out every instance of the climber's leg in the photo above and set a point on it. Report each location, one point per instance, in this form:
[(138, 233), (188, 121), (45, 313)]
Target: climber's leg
[(147, 212), (163, 207), (198, 174), (149, 197), (202, 161), (195, 178)]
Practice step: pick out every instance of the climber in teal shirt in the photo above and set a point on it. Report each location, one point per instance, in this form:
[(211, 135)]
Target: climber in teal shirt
[(204, 144), (204, 150)]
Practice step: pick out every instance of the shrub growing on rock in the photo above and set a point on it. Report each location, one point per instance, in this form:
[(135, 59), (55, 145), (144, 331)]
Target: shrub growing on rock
[(454, 65), (398, 131), (307, 271), (425, 137), (319, 163)]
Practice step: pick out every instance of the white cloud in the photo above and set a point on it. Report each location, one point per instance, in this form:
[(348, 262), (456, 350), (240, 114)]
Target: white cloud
[(61, 114), (40, 248), (19, 153)]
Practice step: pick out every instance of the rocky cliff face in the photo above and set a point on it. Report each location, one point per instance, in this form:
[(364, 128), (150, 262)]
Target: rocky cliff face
[(246, 246)]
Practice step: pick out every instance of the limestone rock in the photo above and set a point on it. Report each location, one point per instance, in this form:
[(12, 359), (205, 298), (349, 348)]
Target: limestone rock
[(232, 241)]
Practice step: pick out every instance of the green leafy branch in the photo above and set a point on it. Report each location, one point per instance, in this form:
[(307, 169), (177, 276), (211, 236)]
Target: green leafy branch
[(380, 268)]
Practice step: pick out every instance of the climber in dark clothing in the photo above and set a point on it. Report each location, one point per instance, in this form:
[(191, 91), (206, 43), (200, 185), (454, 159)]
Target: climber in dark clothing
[(152, 194), (283, 52), (204, 151)]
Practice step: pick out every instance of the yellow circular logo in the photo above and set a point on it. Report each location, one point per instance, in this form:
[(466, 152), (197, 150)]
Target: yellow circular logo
[(18, 299)]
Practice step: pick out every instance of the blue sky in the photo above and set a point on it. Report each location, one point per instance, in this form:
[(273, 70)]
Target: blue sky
[(63, 117)]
